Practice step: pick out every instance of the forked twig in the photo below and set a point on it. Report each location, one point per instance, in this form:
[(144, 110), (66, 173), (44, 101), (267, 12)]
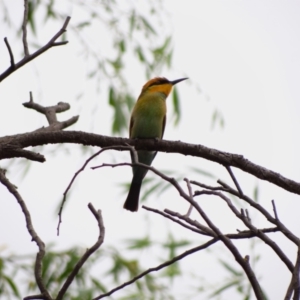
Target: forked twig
[(78, 172), (87, 254), (29, 57), (226, 241)]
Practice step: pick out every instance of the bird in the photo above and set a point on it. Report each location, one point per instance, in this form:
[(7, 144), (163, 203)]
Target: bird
[(148, 120)]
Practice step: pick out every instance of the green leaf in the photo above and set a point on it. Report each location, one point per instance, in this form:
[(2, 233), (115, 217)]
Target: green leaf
[(139, 243), (83, 24), (132, 21), (256, 193), (151, 190), (140, 54), (176, 106), (224, 287), (203, 172), (147, 26), (121, 46), (172, 271), (172, 245), (99, 285), (31, 21), (217, 118), (12, 285), (230, 268)]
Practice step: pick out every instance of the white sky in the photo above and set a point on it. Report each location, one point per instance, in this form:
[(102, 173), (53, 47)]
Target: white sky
[(245, 57)]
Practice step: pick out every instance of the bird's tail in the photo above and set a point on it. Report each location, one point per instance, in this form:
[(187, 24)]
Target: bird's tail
[(132, 201)]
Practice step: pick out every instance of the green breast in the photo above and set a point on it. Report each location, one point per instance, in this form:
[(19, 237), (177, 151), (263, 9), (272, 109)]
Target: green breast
[(148, 116)]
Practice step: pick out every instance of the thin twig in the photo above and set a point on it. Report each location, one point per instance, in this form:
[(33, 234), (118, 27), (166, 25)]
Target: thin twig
[(24, 29), (294, 285), (208, 187), (263, 211), (87, 254), (11, 55), (296, 277), (175, 220), (234, 179), (30, 57), (275, 210), (247, 215), (245, 234), (41, 246), (30, 97), (165, 264), (242, 216), (77, 173), (206, 230), (227, 242), (191, 195)]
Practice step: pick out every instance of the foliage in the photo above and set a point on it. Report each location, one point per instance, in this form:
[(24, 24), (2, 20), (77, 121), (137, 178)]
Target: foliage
[(124, 30)]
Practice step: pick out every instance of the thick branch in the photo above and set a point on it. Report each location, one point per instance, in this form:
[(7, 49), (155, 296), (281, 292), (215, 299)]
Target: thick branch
[(224, 158)]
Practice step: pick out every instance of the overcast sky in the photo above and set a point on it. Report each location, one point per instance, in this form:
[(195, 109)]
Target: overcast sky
[(245, 57)]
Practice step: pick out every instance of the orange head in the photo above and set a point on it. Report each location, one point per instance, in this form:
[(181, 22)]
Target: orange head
[(160, 84)]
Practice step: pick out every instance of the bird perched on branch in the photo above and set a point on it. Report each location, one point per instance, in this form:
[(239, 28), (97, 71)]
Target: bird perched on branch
[(148, 120)]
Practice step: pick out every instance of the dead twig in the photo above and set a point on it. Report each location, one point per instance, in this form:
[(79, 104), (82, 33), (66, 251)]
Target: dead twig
[(41, 246), (87, 254), (29, 57)]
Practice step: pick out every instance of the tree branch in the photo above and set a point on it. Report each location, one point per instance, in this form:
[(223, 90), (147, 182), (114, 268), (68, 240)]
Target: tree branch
[(75, 176), (35, 297), (234, 179), (78, 137), (24, 29), (29, 57), (12, 60), (207, 232), (50, 113), (87, 254), (165, 264), (41, 246), (244, 263), (257, 232), (263, 211), (12, 153), (245, 234)]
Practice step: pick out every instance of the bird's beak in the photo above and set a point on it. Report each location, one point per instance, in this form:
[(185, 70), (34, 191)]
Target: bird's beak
[(178, 80)]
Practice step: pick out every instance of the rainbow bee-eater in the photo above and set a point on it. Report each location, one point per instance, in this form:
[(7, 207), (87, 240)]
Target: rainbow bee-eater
[(148, 120)]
